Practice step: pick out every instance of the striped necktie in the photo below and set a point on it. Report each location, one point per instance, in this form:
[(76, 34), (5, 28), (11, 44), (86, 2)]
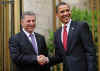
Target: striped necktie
[(34, 43)]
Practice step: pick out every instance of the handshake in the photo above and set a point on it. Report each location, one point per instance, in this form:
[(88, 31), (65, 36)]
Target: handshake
[(42, 60)]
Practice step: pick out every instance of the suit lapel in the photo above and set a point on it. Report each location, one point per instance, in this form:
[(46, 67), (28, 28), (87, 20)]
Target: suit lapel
[(59, 37), (38, 41), (25, 38), (70, 34), (27, 42)]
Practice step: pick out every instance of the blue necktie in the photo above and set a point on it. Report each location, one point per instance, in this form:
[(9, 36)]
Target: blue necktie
[(34, 43)]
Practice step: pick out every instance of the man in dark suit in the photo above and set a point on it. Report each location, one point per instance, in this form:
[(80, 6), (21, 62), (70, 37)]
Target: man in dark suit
[(27, 48), (73, 43)]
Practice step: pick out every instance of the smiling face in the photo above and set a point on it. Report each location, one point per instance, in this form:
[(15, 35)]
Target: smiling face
[(28, 23), (64, 13)]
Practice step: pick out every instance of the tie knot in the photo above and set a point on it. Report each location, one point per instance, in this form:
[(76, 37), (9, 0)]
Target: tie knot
[(31, 35), (65, 26)]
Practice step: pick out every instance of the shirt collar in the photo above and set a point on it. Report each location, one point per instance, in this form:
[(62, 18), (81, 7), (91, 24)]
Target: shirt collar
[(27, 33), (68, 24)]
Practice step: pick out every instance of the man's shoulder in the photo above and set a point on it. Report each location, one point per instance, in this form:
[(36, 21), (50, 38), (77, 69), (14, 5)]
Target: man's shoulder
[(58, 31), (17, 35), (79, 22), (38, 34), (60, 28)]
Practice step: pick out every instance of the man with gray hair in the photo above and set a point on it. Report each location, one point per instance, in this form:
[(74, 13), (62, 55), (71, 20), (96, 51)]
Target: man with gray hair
[(27, 48)]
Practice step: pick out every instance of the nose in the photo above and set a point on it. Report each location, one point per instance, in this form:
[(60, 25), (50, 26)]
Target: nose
[(65, 13), (30, 23)]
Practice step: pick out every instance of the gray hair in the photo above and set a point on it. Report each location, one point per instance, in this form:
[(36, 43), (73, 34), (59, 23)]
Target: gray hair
[(30, 13), (61, 3)]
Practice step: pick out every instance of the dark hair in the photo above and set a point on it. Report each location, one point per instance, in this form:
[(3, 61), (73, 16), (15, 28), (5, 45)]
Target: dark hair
[(30, 13), (61, 3)]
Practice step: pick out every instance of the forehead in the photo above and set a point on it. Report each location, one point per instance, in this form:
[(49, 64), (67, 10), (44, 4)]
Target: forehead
[(29, 17), (61, 7)]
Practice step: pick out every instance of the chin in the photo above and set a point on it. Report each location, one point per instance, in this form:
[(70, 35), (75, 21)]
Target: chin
[(66, 21), (30, 31)]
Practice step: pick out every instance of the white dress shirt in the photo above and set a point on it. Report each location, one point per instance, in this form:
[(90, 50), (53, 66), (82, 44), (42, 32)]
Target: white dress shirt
[(67, 29)]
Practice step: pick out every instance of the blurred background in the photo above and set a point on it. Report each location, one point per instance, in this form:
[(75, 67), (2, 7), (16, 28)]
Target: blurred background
[(46, 23)]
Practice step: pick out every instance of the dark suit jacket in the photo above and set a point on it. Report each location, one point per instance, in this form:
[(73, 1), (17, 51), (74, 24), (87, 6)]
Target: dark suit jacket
[(23, 54), (80, 55)]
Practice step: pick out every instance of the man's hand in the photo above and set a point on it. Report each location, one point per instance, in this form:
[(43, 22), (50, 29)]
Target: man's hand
[(42, 59)]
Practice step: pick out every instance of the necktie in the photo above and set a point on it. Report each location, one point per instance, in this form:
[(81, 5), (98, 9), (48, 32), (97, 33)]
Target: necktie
[(65, 37), (34, 43)]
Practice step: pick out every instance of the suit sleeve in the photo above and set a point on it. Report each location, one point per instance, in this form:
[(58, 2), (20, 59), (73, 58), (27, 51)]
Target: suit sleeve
[(17, 56), (43, 49), (58, 57), (86, 38)]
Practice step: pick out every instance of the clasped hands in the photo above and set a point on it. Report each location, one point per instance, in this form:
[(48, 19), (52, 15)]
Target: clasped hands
[(42, 60)]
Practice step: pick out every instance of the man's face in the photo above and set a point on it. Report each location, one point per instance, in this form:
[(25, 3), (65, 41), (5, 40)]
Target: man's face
[(64, 13), (28, 23)]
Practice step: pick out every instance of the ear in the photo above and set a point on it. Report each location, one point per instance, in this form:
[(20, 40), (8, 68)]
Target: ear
[(21, 22)]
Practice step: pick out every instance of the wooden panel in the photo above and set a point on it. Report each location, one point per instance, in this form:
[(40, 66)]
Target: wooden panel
[(54, 23), (98, 21), (54, 15), (17, 15), (93, 19), (6, 33), (5, 26), (1, 22)]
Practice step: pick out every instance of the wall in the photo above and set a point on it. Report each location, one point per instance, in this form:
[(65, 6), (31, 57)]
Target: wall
[(44, 12)]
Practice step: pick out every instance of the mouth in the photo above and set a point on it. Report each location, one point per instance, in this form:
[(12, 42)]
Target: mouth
[(66, 17)]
